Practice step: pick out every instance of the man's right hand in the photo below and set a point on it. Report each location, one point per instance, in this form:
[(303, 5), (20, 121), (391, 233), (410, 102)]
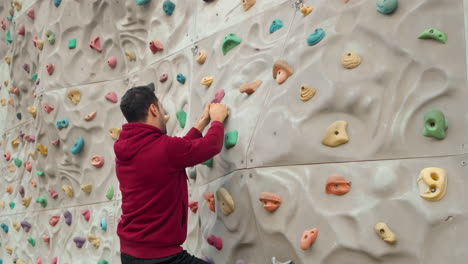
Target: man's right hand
[(218, 112)]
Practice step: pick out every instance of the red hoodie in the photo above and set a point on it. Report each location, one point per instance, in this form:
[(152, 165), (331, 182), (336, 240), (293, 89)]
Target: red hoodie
[(150, 167)]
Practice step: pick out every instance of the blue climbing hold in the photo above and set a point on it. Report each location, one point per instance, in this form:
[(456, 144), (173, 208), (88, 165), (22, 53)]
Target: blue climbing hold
[(315, 37), (180, 78), (103, 224), (5, 228), (77, 146), (57, 2), (142, 2), (62, 123), (168, 7), (386, 6), (275, 25)]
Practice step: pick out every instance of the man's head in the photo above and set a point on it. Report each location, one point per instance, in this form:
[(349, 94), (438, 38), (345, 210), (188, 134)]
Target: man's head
[(140, 104)]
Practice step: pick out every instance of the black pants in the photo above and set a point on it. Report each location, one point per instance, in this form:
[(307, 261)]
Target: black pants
[(181, 258)]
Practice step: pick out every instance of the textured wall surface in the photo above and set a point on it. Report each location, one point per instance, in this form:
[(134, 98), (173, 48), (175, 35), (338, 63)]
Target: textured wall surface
[(279, 147)]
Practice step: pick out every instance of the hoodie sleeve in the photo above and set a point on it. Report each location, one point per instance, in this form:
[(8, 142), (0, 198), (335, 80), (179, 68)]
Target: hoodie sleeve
[(193, 134), (183, 152)]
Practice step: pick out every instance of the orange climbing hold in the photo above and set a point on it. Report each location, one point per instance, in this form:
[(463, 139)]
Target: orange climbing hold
[(282, 71), (209, 198), (308, 238), (90, 116), (270, 201), (337, 185), (251, 87)]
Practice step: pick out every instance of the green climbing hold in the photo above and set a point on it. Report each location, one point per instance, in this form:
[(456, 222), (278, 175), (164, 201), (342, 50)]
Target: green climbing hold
[(435, 124), (32, 241), (230, 41), (10, 18), (208, 163), (182, 117), (230, 139), (34, 77), (142, 2), (42, 200), (101, 261), (110, 193), (8, 37), (433, 33), (50, 37), (72, 43), (18, 162), (12, 205), (168, 7), (40, 173)]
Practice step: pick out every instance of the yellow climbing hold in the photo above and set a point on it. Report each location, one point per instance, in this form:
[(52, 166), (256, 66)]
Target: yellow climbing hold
[(41, 149), (11, 167), (202, 55), (40, 44), (114, 132), (32, 110), (94, 240), (17, 5), (225, 201), (26, 201), (305, 10), (350, 60), (432, 183), (68, 190), (19, 261), (130, 55), (307, 92), (87, 188), (9, 249), (15, 143), (8, 61), (2, 204), (207, 81), (32, 155), (336, 134), (74, 95), (385, 233), (3, 101), (17, 226)]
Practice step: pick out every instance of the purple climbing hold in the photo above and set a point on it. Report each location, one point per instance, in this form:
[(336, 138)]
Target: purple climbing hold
[(21, 191), (26, 67), (79, 241), (26, 226), (68, 217)]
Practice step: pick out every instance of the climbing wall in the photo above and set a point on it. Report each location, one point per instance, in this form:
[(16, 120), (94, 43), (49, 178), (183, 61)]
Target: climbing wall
[(345, 141)]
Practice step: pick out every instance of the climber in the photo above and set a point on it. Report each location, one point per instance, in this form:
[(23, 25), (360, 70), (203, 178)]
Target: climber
[(150, 167)]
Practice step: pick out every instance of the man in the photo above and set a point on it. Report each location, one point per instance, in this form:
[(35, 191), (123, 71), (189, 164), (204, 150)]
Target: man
[(150, 167)]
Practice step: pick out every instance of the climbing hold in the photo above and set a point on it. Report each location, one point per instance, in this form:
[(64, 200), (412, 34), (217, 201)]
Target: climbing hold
[(11, 168), (281, 71), (247, 4), (32, 110), (77, 146), (207, 81), (270, 201), (3, 101), (2, 204), (21, 191), (68, 217), (142, 2), (57, 2), (40, 173), (4, 227), (225, 201), (28, 166), (50, 69), (4, 24), (155, 46), (230, 41), (94, 240), (87, 214), (274, 261), (209, 198), (9, 189), (30, 13), (163, 77), (336, 134), (168, 7), (54, 260), (307, 92), (230, 139), (315, 37), (201, 57), (114, 132), (13, 90), (130, 55), (87, 188), (306, 10), (96, 44), (112, 61), (180, 78), (385, 233), (181, 117), (26, 201), (166, 118), (15, 143), (68, 190), (34, 78), (42, 200), (308, 238), (17, 5), (97, 161), (12, 205), (26, 67), (34, 183), (350, 60), (215, 241), (112, 97), (38, 43), (26, 226), (56, 142), (47, 107), (219, 95), (50, 37), (8, 37), (435, 124), (275, 25), (110, 193), (79, 241), (193, 205), (17, 226), (432, 33), (337, 185), (72, 43), (90, 116), (53, 193), (21, 30), (102, 261), (74, 95), (46, 238), (9, 249), (432, 183), (7, 155), (103, 224), (386, 6), (62, 123), (32, 242), (208, 163)]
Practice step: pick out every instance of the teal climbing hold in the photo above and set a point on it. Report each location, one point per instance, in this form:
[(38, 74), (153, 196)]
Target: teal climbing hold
[(435, 124), (4, 227), (18, 162), (12, 205), (168, 7), (275, 25), (57, 2), (103, 224), (315, 37), (42, 200), (8, 37), (62, 123), (230, 139), (77, 146), (433, 33), (40, 173), (386, 6), (230, 41), (101, 261), (181, 78), (208, 163), (34, 77), (72, 43), (50, 37), (32, 241), (142, 2), (181, 117), (10, 18), (110, 193)]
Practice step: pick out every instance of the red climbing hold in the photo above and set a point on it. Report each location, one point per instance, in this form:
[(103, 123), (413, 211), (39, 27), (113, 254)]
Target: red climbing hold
[(156, 46), (50, 68), (96, 44), (193, 205), (86, 214), (4, 23), (215, 241), (21, 30), (54, 220)]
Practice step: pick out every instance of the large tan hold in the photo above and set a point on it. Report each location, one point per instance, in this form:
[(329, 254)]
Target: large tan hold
[(74, 95), (350, 60), (32, 110), (336, 134), (282, 71), (225, 201), (307, 92), (114, 132), (9, 249), (385, 233), (247, 4), (130, 55), (17, 226), (15, 143), (8, 60), (250, 87), (432, 183), (68, 190), (306, 10), (87, 188), (201, 57), (26, 201), (94, 240)]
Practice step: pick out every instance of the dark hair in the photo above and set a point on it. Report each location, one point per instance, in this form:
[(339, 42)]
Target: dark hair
[(136, 101)]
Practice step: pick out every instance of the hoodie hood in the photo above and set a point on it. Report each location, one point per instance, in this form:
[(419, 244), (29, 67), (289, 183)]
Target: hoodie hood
[(133, 137)]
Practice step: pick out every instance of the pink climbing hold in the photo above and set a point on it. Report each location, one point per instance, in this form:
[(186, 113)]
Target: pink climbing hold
[(53, 193), (21, 30), (54, 219), (38, 260), (46, 238), (4, 23), (96, 44), (87, 214), (56, 142), (219, 95), (47, 107), (54, 260), (30, 13), (97, 161), (7, 155), (111, 96), (193, 205), (215, 241), (34, 40), (163, 77), (50, 68), (30, 138), (156, 46), (28, 166), (112, 61)]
